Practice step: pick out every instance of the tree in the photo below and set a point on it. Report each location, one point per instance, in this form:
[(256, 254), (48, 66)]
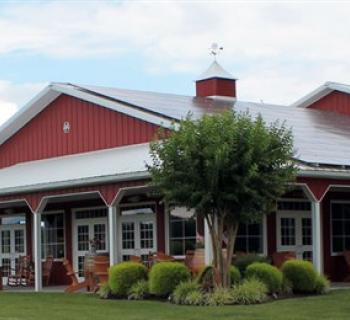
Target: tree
[(229, 168)]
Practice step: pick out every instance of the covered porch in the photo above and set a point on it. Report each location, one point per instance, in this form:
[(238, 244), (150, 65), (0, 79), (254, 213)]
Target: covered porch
[(123, 219)]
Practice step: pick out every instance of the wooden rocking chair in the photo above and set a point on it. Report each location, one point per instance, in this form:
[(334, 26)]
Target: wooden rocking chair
[(47, 267), (278, 258), (75, 285), (23, 274)]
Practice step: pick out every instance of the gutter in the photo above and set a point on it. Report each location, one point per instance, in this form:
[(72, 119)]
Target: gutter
[(345, 175), (139, 175)]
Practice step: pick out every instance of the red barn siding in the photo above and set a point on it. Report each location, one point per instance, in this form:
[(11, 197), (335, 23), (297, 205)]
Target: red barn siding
[(334, 266), (216, 87), (271, 230), (92, 128), (335, 101)]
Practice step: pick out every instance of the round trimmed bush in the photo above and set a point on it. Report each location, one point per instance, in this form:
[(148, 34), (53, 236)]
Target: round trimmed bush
[(235, 275), (301, 275), (244, 260), (268, 274), (123, 276), (165, 276)]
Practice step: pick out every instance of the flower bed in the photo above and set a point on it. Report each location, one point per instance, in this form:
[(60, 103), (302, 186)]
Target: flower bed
[(171, 281)]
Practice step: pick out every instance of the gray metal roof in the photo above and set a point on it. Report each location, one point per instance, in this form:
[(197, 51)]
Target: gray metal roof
[(320, 137), (215, 70)]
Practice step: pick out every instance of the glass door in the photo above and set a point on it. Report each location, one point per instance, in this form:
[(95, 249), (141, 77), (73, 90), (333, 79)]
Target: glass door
[(89, 227), (138, 234), (294, 233), (12, 246)]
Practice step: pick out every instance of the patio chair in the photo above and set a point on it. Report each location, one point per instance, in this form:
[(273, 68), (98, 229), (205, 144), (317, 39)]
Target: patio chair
[(23, 274), (47, 268), (162, 257), (189, 259), (347, 260), (278, 258), (135, 259), (75, 285)]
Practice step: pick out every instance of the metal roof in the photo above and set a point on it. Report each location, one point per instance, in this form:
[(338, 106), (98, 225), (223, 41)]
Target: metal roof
[(215, 70), (320, 137), (92, 167)]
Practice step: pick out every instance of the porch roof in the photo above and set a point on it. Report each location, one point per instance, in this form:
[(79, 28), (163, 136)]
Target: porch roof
[(110, 165)]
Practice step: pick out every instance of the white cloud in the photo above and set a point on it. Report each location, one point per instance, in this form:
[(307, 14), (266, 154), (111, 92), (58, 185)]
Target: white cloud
[(12, 96), (280, 51)]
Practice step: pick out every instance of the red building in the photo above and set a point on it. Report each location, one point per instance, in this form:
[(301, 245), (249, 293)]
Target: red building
[(72, 168)]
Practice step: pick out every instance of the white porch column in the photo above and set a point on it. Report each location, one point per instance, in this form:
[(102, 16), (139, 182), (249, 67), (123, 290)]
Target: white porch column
[(208, 248), (113, 245), (316, 235), (37, 251)]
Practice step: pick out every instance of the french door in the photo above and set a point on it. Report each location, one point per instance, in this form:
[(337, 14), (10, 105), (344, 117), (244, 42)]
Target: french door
[(138, 235), (294, 233), (12, 246), (88, 227)]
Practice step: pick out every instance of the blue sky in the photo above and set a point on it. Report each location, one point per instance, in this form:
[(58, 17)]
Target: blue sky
[(279, 50)]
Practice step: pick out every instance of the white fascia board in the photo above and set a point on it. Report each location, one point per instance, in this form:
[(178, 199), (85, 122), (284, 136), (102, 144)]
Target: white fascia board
[(324, 174), (313, 96), (27, 112), (115, 106), (76, 183)]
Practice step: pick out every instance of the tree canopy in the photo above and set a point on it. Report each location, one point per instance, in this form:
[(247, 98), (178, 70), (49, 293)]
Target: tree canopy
[(229, 167)]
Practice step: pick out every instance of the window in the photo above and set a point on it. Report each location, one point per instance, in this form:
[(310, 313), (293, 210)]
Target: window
[(52, 235), (250, 238), (182, 235), (340, 221)]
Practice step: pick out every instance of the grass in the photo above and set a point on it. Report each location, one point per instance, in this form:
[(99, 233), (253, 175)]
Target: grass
[(52, 306)]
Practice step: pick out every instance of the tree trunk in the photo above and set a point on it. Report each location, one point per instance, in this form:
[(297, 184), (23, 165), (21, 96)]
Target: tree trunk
[(220, 262)]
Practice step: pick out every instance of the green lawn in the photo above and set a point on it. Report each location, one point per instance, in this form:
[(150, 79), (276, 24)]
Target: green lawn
[(54, 306)]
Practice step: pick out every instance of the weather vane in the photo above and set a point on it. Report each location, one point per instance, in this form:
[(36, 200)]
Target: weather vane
[(215, 50)]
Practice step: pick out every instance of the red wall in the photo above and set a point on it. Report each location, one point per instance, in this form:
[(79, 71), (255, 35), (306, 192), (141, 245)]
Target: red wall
[(216, 87), (334, 266), (335, 101), (92, 128)]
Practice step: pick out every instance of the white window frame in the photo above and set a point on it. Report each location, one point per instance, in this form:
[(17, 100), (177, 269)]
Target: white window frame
[(64, 232), (167, 234), (333, 253), (264, 237)]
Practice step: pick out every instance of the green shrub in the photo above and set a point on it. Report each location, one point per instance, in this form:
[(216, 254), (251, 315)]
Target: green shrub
[(124, 275), (243, 261), (196, 298), (220, 296), (165, 276), (322, 285), (105, 291), (182, 290), (250, 291), (301, 275), (266, 273), (235, 275), (139, 290)]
